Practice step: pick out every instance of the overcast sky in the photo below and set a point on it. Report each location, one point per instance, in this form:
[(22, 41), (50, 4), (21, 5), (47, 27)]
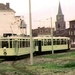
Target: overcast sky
[(43, 10)]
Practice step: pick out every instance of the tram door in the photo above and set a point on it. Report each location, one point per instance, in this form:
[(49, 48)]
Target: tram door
[(16, 47), (39, 46)]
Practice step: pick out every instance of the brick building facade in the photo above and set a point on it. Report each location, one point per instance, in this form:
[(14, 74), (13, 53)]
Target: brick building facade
[(41, 31), (72, 30)]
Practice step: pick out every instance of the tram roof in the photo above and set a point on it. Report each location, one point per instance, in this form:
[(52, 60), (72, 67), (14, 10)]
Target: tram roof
[(51, 37), (20, 37), (14, 37)]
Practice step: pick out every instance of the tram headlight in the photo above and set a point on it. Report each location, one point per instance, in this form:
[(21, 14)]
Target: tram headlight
[(4, 51)]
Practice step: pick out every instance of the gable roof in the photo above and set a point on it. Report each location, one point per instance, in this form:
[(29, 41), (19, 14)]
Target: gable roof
[(6, 7)]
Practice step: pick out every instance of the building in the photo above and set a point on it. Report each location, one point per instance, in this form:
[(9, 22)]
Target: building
[(42, 31), (60, 23), (20, 23), (72, 30), (8, 21), (23, 27)]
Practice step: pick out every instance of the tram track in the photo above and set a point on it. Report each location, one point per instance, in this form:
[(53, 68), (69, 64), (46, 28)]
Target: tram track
[(2, 73), (23, 70)]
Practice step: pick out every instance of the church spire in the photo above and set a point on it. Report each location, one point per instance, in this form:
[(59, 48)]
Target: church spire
[(59, 10)]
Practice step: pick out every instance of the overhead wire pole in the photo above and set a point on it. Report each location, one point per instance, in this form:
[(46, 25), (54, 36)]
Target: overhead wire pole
[(31, 40), (52, 36)]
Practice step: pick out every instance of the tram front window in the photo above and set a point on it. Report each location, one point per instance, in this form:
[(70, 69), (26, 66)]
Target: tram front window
[(5, 44)]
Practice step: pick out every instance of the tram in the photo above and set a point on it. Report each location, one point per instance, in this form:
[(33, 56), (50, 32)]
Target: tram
[(46, 43), (14, 46)]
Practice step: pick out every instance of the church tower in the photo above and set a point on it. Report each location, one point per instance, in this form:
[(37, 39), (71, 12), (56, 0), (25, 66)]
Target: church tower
[(60, 23)]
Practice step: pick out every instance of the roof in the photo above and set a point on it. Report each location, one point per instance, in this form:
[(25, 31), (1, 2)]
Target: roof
[(72, 21), (5, 7), (51, 37), (59, 10), (17, 16)]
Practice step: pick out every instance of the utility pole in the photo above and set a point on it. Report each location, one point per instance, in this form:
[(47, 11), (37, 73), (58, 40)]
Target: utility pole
[(31, 40), (52, 36)]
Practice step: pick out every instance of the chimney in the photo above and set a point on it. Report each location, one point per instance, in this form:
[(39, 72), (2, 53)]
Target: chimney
[(7, 5)]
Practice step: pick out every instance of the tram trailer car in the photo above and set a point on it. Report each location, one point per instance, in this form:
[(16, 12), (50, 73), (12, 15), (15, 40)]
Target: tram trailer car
[(14, 46), (43, 44)]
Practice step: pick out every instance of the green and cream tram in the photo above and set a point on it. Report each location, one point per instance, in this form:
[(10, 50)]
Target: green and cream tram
[(14, 46), (45, 43)]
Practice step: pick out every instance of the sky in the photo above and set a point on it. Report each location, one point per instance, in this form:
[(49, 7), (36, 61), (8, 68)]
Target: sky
[(42, 10)]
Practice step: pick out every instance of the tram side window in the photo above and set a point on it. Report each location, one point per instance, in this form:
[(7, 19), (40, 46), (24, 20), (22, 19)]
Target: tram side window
[(0, 44), (58, 41), (45, 42), (64, 41), (5, 44), (23, 43), (54, 42), (61, 41), (49, 41), (10, 43), (27, 43), (42, 42), (14, 44), (36, 42)]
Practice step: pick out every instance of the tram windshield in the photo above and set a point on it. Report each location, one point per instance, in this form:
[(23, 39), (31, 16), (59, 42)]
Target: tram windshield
[(4, 44)]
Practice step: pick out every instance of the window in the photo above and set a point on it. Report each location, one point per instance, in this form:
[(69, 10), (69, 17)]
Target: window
[(72, 26), (45, 42), (5, 44), (58, 25), (69, 32), (27, 43), (61, 41), (74, 32), (42, 42), (64, 41), (21, 43), (58, 41), (10, 43), (54, 42), (41, 31), (36, 42), (46, 31), (49, 41)]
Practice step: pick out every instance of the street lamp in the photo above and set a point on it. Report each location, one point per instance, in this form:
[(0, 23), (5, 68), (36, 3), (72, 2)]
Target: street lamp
[(31, 41)]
